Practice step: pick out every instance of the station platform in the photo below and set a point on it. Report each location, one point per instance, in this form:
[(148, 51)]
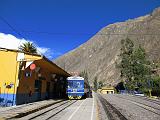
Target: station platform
[(82, 110)]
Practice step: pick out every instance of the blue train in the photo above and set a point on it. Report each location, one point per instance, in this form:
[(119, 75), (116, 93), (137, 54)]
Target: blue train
[(77, 87)]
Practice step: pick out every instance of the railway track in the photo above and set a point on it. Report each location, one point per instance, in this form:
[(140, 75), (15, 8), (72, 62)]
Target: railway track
[(149, 99), (110, 110), (49, 112), (150, 108)]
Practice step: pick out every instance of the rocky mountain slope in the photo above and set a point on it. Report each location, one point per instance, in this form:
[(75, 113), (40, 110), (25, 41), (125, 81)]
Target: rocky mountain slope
[(98, 55)]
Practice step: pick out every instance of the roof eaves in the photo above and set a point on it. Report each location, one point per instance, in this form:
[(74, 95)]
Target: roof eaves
[(55, 65), (14, 50)]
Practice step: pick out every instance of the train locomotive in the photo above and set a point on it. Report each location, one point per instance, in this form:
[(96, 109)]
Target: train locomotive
[(77, 87)]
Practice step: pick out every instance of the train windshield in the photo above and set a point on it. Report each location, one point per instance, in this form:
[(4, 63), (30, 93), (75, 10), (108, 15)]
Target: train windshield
[(75, 84)]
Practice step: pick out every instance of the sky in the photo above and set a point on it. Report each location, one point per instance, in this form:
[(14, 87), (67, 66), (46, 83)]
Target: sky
[(58, 26)]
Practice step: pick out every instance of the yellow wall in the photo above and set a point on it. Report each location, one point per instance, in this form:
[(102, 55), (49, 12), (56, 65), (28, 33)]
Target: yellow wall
[(8, 70), (107, 91), (29, 57), (28, 83)]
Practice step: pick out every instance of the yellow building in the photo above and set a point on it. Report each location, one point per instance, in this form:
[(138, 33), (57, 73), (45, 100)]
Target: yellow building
[(19, 84), (107, 90)]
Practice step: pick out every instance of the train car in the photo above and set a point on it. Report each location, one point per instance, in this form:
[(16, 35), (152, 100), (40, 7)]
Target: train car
[(77, 88)]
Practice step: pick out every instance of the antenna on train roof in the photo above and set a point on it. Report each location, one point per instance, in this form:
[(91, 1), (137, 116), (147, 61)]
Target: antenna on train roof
[(74, 73)]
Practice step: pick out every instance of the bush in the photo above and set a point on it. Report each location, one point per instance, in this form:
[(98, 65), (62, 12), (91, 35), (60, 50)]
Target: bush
[(156, 92)]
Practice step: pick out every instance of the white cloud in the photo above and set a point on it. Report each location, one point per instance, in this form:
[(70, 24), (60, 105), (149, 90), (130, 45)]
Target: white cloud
[(47, 51), (43, 50), (11, 42)]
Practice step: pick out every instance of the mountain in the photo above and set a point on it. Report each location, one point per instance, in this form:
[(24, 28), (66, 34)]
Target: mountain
[(98, 55)]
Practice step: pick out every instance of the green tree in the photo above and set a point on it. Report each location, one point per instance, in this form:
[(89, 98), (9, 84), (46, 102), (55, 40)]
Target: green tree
[(100, 84), (120, 86), (125, 65), (141, 68), (28, 47), (156, 86), (84, 74), (95, 83), (134, 66)]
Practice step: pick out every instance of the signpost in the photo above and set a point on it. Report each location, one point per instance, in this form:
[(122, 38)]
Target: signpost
[(32, 66)]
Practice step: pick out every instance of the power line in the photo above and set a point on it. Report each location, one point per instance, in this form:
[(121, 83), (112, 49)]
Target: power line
[(63, 33), (6, 22), (12, 28), (82, 34)]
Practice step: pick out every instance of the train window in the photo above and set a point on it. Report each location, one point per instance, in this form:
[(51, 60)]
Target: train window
[(75, 84), (70, 84)]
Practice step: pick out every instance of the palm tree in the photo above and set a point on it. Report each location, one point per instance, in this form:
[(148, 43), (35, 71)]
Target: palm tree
[(28, 47)]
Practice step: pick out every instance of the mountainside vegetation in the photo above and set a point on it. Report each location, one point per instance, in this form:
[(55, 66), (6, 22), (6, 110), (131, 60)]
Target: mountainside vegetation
[(136, 70)]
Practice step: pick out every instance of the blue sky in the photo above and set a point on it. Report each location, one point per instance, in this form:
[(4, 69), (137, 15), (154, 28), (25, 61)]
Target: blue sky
[(62, 25)]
